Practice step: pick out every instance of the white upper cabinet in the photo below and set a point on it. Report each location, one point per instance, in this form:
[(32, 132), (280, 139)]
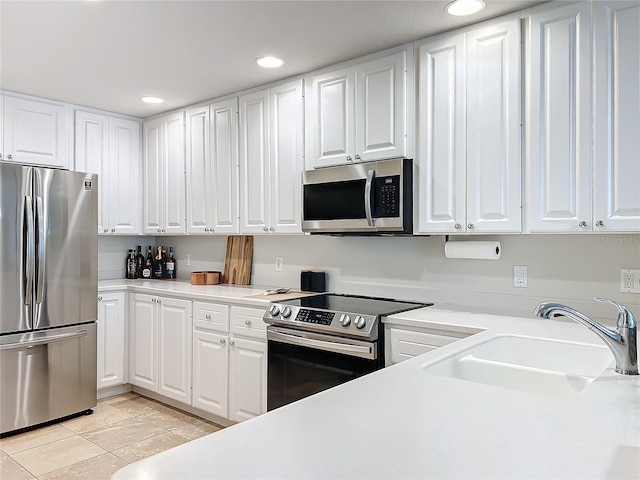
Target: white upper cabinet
[(164, 175), (35, 132), (358, 113), (468, 130), (616, 201), (559, 171), (271, 159), (110, 147), (212, 168)]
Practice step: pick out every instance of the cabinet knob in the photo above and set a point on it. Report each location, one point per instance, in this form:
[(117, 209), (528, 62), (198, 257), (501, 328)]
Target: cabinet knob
[(153, 300), (349, 159), (222, 341), (106, 230), (358, 157), (206, 229), (231, 343), (208, 317), (99, 299), (470, 226), (582, 224), (211, 230), (9, 156), (113, 230), (0, 156), (457, 226), (164, 230), (272, 229), (247, 323), (159, 301), (159, 231), (264, 229), (599, 224)]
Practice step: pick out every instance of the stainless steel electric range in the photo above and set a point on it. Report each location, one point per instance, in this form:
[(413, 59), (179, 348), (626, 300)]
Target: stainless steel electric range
[(318, 342)]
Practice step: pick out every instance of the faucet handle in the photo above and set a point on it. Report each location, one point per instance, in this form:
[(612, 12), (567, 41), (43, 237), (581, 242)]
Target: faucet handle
[(625, 316)]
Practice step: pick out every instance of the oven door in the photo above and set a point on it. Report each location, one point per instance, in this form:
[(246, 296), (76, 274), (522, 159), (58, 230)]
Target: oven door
[(303, 363)]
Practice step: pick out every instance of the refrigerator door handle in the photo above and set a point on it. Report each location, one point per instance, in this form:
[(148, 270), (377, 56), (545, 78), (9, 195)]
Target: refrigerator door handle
[(41, 249), (44, 340), (29, 254)]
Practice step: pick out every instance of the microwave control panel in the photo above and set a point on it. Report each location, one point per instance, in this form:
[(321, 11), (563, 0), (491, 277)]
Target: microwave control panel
[(387, 201)]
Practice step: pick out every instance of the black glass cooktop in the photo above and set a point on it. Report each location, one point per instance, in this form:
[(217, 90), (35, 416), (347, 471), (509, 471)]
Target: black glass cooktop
[(355, 304)]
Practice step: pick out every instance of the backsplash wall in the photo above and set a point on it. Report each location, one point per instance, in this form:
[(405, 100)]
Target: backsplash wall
[(568, 267)]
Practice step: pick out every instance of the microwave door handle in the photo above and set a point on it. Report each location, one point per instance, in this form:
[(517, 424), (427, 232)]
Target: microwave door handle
[(367, 197)]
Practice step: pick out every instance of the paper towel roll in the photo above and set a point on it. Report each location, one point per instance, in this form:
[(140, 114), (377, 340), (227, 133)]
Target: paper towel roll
[(473, 249)]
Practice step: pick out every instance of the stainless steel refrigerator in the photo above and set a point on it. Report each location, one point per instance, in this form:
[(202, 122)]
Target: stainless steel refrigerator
[(48, 294)]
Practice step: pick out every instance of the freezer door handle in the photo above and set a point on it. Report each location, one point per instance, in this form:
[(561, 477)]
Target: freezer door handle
[(41, 249), (44, 340), (29, 253)]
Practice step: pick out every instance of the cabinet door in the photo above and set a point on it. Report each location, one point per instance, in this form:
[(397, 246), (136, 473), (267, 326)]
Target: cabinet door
[(381, 108), (247, 379), (199, 189), (224, 166), (111, 339), (173, 176), (143, 341), (254, 162), (174, 348), (331, 119), (152, 176), (286, 158), (123, 178), (210, 372), (36, 132), (441, 135), (616, 202), (92, 155), (493, 128), (559, 166)]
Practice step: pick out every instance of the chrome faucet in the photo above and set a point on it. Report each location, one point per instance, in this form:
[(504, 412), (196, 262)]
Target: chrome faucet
[(622, 341)]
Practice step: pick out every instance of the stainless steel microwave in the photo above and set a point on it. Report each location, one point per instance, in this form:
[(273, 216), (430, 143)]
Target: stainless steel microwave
[(363, 198)]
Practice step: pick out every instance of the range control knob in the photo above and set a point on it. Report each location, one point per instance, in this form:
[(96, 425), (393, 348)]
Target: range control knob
[(345, 320), (274, 310), (360, 322), (286, 311)]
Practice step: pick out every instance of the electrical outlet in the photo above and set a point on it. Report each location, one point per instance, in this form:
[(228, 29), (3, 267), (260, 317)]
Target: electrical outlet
[(630, 280), (520, 276), (187, 260), (278, 264)]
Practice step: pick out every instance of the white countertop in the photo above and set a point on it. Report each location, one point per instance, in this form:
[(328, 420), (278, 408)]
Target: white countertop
[(401, 422), (248, 295)]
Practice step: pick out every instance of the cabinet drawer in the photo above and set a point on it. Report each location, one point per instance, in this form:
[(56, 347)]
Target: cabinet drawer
[(247, 322), (407, 344), (211, 316)]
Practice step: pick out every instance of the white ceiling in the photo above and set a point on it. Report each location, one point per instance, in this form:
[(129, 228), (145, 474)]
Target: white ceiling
[(107, 54)]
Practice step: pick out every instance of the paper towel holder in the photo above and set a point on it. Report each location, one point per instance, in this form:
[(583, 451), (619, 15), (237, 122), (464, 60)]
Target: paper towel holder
[(478, 250)]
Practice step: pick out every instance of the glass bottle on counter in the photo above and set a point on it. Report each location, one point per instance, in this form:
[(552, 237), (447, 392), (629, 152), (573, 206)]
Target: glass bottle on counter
[(158, 264), (171, 264), (132, 272), (147, 270), (139, 262)]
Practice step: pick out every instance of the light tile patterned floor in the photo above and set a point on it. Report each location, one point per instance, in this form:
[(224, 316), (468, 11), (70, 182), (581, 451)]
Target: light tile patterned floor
[(123, 429)]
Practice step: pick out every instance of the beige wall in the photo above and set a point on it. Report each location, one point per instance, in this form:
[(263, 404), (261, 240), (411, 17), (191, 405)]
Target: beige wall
[(569, 267)]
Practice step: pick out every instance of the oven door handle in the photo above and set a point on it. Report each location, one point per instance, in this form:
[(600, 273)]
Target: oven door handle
[(361, 351)]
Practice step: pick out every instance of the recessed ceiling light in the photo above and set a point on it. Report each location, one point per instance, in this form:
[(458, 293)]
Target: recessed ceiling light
[(269, 61), (152, 99), (460, 8)]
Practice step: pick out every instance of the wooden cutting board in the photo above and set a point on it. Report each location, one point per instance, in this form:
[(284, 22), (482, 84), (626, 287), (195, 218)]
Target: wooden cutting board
[(237, 264)]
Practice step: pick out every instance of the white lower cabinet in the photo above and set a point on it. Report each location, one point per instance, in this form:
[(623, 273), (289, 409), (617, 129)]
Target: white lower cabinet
[(111, 340), (160, 345), (403, 343), (229, 371)]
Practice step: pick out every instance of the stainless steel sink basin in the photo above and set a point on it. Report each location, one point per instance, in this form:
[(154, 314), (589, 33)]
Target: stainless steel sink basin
[(527, 364)]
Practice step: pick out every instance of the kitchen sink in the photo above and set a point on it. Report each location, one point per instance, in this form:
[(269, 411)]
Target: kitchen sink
[(527, 364)]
